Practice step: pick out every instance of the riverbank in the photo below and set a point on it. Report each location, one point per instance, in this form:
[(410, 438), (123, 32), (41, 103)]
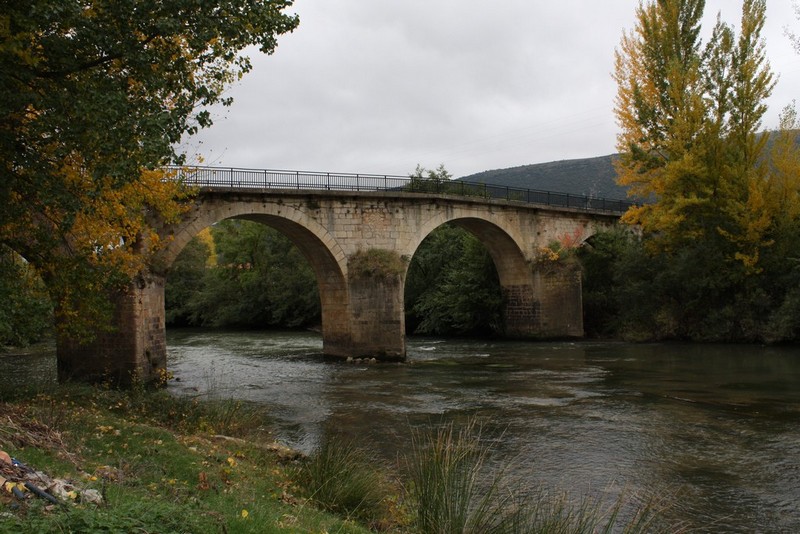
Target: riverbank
[(160, 463), (90, 459)]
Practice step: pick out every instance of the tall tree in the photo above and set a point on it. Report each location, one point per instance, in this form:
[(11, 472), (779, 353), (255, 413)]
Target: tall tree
[(93, 93), (746, 176), (660, 109), (690, 119), (692, 146)]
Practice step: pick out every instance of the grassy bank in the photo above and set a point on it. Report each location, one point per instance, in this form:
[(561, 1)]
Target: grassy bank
[(161, 465), (165, 464)]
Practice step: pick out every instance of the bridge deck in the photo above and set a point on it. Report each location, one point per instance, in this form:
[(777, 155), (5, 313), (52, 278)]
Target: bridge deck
[(248, 179)]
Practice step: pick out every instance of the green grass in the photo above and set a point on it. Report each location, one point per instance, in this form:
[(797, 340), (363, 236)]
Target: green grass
[(158, 464)]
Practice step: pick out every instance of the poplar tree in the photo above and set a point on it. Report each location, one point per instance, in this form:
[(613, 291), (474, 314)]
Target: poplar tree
[(690, 117), (660, 110), (692, 150)]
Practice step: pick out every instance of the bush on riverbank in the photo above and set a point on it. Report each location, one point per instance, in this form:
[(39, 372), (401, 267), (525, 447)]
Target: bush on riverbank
[(637, 294)]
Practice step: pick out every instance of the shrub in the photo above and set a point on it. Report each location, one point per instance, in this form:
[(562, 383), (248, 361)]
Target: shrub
[(342, 478)]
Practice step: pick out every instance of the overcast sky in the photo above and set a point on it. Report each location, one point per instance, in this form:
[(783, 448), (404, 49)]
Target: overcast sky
[(379, 86)]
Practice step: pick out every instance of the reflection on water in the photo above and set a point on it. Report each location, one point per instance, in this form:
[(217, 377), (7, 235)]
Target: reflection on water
[(715, 427), (28, 367)]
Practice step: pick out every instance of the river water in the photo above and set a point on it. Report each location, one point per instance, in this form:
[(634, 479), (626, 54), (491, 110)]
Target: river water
[(715, 429)]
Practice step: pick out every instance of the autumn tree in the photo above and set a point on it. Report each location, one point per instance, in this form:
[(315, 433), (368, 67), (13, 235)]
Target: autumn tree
[(720, 196), (95, 96), (690, 118)]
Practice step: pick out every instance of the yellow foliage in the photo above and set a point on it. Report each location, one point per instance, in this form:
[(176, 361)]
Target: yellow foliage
[(547, 255), (118, 225), (206, 237), (783, 180)]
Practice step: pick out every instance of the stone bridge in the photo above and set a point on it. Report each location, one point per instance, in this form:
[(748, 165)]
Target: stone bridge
[(362, 309)]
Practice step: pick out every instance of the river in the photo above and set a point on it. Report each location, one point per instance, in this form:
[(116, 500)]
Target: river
[(713, 428)]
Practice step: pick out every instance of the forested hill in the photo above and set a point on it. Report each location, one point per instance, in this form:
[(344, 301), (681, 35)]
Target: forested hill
[(590, 176)]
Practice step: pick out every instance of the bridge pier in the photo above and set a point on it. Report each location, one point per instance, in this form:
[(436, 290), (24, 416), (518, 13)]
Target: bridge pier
[(549, 307), (377, 325), (560, 294), (135, 350)]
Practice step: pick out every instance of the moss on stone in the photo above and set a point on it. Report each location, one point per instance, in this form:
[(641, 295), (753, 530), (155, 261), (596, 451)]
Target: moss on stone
[(376, 263)]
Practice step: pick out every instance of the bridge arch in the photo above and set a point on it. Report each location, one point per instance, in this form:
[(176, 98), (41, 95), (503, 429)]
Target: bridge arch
[(288, 219), (320, 249), (507, 253)]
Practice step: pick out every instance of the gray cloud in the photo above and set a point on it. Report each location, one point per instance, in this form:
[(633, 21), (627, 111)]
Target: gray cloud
[(378, 86)]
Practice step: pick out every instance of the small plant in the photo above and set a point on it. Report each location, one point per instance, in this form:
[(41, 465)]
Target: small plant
[(377, 263), (341, 477)]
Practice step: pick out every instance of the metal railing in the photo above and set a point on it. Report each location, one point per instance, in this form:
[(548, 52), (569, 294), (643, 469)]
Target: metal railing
[(238, 178)]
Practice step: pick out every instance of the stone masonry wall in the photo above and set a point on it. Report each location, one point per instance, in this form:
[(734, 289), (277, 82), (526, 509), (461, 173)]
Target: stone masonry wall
[(560, 300), (135, 348)]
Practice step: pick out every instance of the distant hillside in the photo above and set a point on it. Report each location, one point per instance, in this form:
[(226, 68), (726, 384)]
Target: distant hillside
[(591, 177)]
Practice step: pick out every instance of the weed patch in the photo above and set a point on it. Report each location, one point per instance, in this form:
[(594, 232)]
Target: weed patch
[(376, 263)]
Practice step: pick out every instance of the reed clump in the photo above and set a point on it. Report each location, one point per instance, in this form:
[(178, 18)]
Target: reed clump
[(342, 477), (452, 489)]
